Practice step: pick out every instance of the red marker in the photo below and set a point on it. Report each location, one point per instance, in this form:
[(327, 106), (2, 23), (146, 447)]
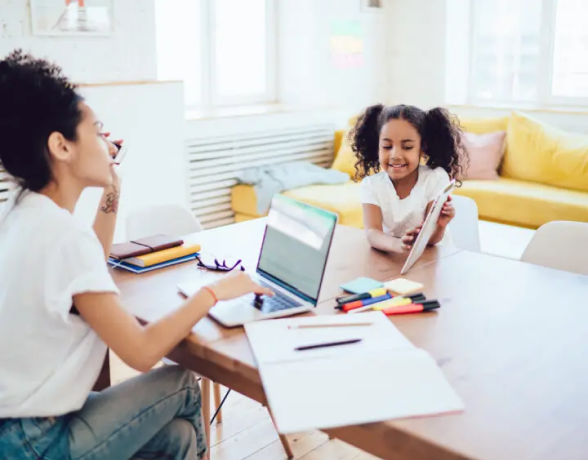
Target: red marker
[(427, 305)]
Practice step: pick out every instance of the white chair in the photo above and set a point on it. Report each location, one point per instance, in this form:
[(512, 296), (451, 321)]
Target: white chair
[(173, 220), (168, 219), (464, 227), (561, 245), (176, 220)]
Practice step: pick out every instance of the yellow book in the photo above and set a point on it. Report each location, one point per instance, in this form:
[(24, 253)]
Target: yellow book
[(166, 255)]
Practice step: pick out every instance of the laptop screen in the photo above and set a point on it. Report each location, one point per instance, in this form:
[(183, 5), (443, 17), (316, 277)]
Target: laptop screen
[(296, 246)]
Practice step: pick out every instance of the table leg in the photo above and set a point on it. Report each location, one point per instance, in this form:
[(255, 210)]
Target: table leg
[(205, 390)]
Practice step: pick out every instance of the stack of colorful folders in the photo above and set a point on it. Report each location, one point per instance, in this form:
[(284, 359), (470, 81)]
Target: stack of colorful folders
[(381, 300), (148, 254)]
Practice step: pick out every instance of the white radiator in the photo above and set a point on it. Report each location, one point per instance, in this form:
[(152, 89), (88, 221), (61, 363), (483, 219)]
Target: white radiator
[(213, 164)]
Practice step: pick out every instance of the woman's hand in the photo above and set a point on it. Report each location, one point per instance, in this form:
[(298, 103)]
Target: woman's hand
[(113, 152), (447, 213), (237, 285), (409, 238)]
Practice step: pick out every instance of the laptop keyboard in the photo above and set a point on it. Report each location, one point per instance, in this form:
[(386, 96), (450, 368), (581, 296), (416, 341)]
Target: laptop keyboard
[(271, 304)]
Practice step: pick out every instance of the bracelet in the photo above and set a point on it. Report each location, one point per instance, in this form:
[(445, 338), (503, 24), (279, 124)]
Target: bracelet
[(211, 292)]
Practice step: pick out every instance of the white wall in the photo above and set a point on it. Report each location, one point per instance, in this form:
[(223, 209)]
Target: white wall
[(129, 54), (416, 59), (307, 75), (150, 118)]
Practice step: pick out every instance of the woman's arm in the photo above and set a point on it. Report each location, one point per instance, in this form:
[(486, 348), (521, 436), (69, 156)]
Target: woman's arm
[(373, 225), (105, 220), (141, 347)]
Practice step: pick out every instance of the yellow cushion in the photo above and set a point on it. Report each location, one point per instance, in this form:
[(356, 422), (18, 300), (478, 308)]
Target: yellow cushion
[(484, 125), (243, 217), (338, 141), (244, 200), (525, 204), (344, 199), (541, 153), (345, 159)]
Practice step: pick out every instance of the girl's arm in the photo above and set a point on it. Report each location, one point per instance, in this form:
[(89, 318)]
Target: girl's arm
[(373, 224), (141, 347), (447, 214)]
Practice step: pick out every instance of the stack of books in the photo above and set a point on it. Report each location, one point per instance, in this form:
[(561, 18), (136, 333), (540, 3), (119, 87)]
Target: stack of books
[(148, 254)]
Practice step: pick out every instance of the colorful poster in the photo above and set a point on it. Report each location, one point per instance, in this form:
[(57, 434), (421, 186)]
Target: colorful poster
[(71, 17), (346, 44)]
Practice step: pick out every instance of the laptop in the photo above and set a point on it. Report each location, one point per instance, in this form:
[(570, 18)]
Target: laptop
[(292, 263)]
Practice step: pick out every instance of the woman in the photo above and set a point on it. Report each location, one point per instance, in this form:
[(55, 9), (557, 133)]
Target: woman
[(54, 147)]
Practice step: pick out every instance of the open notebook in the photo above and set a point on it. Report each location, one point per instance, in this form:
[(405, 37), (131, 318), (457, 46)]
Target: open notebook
[(383, 377)]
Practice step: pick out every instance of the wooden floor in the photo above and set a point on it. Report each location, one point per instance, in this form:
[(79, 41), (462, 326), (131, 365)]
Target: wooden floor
[(247, 431)]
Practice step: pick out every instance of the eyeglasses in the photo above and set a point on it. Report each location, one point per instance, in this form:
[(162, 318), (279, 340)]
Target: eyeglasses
[(213, 264)]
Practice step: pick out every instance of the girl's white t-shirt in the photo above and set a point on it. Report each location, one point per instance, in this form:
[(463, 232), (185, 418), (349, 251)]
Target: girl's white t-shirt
[(50, 358), (401, 215)]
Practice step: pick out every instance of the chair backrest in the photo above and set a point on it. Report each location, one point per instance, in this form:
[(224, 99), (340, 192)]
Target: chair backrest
[(464, 227), (562, 245), (168, 219)]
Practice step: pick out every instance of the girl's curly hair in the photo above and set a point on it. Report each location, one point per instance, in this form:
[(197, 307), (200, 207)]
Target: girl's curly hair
[(440, 134)]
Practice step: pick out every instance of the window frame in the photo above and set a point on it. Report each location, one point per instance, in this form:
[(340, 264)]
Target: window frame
[(269, 95), (545, 96)]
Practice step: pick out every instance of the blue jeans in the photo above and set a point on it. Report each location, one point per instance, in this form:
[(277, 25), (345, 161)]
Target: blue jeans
[(153, 416)]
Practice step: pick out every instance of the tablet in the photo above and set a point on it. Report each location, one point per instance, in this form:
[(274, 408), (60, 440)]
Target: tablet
[(429, 226)]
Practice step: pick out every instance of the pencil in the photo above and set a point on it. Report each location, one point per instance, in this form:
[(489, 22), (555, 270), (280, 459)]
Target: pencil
[(318, 326)]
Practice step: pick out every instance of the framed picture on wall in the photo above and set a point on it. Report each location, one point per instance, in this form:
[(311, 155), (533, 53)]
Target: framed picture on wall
[(72, 17), (372, 6)]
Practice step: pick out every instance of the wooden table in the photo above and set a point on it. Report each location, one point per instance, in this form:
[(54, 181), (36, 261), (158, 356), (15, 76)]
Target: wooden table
[(510, 337)]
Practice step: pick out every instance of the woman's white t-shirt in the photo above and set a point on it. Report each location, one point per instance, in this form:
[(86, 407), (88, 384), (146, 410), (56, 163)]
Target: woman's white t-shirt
[(49, 358), (401, 215)]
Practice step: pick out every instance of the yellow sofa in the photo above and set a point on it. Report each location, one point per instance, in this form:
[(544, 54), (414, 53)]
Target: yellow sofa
[(543, 177)]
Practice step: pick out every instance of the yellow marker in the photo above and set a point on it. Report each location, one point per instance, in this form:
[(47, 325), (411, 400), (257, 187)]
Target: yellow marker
[(395, 302), (378, 292)]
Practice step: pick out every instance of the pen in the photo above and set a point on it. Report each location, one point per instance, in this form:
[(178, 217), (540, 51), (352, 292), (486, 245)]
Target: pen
[(357, 307), (319, 326), (393, 302), (326, 344), (366, 295), (412, 308), (363, 303)]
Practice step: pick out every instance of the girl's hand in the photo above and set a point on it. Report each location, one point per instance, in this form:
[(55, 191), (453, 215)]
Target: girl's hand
[(237, 285), (410, 237), (447, 213)]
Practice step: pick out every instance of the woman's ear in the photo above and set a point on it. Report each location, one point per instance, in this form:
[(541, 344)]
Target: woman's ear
[(59, 148)]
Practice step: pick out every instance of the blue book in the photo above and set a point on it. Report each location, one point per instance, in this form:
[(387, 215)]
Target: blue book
[(135, 269)]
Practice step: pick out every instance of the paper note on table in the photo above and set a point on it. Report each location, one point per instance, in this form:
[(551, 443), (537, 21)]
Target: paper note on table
[(383, 377), (382, 334)]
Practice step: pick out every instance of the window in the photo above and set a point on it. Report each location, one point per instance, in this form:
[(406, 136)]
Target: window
[(223, 50), (529, 51)]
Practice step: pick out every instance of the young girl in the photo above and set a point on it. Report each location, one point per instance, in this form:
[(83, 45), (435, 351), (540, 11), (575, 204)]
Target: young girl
[(392, 141), (53, 145)]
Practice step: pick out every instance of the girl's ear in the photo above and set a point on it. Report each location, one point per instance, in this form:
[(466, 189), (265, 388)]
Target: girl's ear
[(424, 158)]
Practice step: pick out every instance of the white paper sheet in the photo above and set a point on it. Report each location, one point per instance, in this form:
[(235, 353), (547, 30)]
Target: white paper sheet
[(382, 378)]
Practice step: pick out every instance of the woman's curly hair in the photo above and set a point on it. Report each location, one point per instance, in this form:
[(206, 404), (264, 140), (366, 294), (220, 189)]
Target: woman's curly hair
[(36, 99), (440, 134)]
